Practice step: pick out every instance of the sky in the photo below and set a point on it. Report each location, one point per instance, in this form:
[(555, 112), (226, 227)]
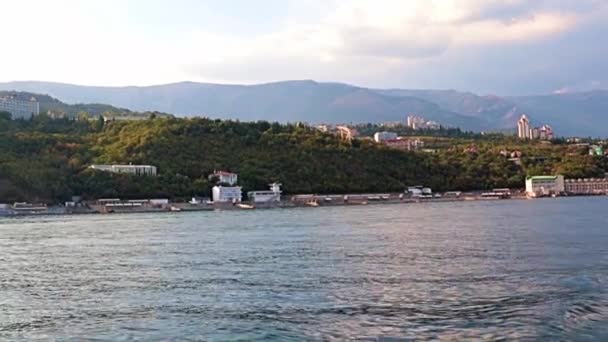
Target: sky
[(507, 47)]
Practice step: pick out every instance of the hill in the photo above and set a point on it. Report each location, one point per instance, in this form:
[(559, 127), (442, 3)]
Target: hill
[(48, 103), (47, 160), (570, 114), (291, 101), (583, 114)]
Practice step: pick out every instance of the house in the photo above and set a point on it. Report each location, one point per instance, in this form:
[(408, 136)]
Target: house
[(224, 177)]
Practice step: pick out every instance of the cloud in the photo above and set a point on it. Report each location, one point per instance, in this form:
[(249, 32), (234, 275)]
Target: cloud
[(362, 37), (417, 43)]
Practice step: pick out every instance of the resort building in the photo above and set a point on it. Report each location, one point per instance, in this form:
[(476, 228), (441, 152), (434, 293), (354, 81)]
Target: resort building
[(383, 136), (526, 131), (224, 177), (19, 108), (418, 122), (540, 186), (523, 128), (587, 186), (138, 170), (227, 194), (272, 195), (545, 132)]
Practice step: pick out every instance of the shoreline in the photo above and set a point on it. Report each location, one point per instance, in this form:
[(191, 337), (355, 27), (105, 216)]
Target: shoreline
[(320, 202)]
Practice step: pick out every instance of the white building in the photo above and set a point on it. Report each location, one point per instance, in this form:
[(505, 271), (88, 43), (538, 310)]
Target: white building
[(418, 122), (414, 120), (138, 170), (539, 186), (587, 186), (524, 128), (272, 195), (546, 132), (383, 136), (227, 194), (224, 177), (19, 108)]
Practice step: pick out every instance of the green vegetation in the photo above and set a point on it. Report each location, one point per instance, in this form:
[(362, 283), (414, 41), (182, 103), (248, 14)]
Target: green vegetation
[(47, 159)]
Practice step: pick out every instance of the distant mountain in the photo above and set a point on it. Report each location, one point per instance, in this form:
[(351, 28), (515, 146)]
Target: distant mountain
[(577, 114), (306, 101), (570, 114), (580, 114)]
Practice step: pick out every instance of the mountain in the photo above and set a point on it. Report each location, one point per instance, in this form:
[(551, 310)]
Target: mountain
[(306, 101), (584, 114), (576, 114), (579, 114)]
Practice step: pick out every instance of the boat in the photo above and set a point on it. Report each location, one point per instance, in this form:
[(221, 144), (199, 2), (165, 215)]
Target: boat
[(245, 206), (312, 204)]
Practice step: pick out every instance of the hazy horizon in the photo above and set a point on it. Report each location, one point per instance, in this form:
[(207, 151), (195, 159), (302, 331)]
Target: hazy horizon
[(573, 91)]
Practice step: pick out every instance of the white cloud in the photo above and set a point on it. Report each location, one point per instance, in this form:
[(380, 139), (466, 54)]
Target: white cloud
[(98, 42), (359, 38)]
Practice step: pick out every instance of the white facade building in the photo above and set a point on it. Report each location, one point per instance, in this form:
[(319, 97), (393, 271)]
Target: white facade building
[(138, 170), (225, 177), (227, 194), (587, 186), (383, 136), (539, 186), (414, 120), (272, 195), (19, 108), (524, 128)]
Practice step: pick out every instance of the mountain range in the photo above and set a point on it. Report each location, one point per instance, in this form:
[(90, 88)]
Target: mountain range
[(580, 114)]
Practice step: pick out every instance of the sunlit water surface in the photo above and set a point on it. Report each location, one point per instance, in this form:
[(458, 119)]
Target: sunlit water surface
[(515, 269)]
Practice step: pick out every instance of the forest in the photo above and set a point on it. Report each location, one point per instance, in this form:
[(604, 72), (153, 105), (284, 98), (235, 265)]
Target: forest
[(45, 159)]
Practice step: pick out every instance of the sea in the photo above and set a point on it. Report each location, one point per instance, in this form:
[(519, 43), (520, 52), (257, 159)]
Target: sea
[(478, 270)]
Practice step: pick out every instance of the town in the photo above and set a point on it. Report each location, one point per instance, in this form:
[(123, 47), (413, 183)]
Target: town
[(422, 137)]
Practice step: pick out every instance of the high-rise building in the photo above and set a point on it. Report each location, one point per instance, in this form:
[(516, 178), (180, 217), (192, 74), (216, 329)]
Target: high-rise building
[(19, 108), (524, 128), (546, 132)]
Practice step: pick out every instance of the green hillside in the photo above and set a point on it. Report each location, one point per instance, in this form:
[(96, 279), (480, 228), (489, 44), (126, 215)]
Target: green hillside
[(45, 159), (48, 103)]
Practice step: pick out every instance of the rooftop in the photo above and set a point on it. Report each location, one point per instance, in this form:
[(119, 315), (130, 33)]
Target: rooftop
[(223, 173), (542, 177)]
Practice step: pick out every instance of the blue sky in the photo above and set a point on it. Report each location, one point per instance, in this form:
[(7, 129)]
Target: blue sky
[(486, 46)]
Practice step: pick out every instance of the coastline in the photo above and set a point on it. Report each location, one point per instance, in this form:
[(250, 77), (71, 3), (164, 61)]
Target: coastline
[(318, 201), (315, 201)]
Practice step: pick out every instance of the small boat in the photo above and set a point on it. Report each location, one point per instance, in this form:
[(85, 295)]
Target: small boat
[(312, 204), (245, 206), (175, 209)]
